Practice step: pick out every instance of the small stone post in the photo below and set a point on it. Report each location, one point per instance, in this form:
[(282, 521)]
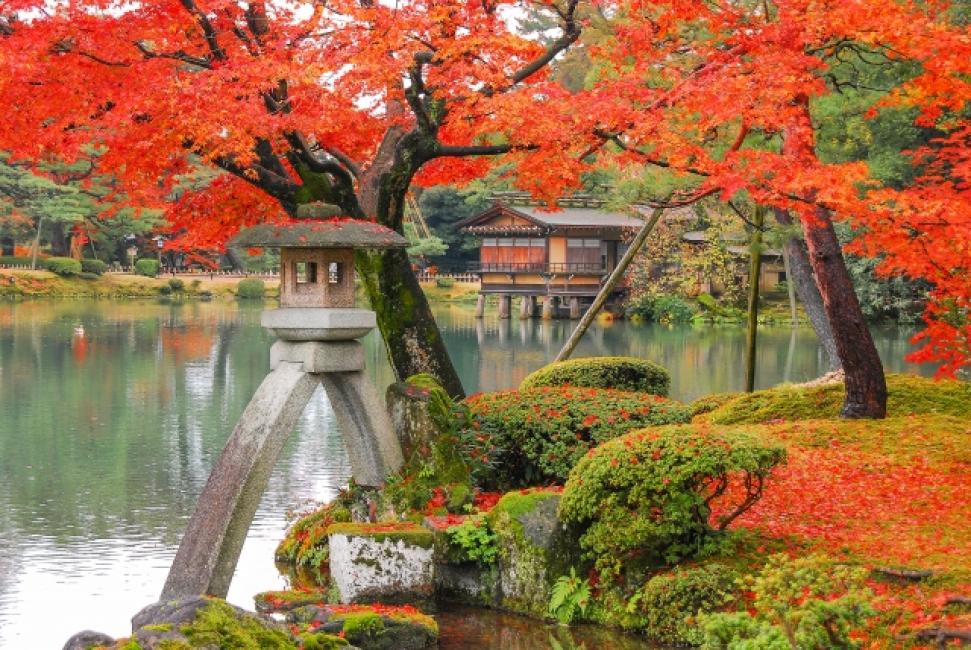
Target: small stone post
[(548, 310), (574, 308), (524, 311), (480, 306)]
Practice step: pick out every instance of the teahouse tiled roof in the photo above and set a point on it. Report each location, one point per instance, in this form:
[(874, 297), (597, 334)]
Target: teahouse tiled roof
[(543, 221), (330, 233)]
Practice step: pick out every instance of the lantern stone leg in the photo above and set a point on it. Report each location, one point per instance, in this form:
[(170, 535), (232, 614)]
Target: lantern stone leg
[(210, 548)]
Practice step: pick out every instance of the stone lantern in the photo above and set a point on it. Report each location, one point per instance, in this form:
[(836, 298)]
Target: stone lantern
[(317, 326)]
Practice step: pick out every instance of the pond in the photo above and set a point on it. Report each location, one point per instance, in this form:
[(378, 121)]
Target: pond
[(112, 413)]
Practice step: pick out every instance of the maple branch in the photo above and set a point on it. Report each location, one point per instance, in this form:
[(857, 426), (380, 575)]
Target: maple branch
[(178, 55), (208, 31), (571, 32), (457, 151), (416, 91), (67, 46), (6, 28), (345, 160), (306, 155)]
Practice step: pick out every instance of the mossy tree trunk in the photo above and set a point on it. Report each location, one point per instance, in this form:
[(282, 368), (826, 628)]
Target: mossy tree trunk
[(754, 275)]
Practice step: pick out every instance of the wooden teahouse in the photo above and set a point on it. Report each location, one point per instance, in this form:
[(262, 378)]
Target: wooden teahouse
[(563, 256)]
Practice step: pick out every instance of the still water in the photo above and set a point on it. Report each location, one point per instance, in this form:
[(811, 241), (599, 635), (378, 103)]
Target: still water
[(111, 415)]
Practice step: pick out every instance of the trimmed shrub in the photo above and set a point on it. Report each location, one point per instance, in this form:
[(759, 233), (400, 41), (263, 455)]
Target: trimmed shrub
[(165, 290), (147, 267), (444, 283), (84, 275), (13, 260), (94, 266), (907, 395), (809, 603), (661, 309), (669, 603), (622, 373), (64, 266), (535, 436), (177, 285), (250, 289), (646, 498)]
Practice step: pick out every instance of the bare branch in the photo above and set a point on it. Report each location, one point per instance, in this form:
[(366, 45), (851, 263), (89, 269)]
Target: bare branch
[(208, 31), (571, 32), (179, 55), (457, 151)]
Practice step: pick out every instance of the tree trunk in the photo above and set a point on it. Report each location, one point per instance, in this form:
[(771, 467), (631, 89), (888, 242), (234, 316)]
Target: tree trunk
[(754, 275), (60, 241), (866, 385), (801, 277), (414, 342), (7, 246)]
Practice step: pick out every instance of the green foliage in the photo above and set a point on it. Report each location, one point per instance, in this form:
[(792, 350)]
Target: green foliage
[(219, 626), (800, 604), (93, 266), (669, 603), (250, 289), (423, 246), (621, 373), (11, 260), (570, 597), (305, 543), (661, 309), (165, 290), (321, 641), (907, 394), (443, 206), (64, 266), (147, 267), (444, 283), (536, 436), (84, 275), (473, 541), (177, 285), (645, 499)]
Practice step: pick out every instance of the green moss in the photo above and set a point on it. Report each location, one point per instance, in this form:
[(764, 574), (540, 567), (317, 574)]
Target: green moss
[(362, 624), (907, 394), (621, 373), (161, 627), (305, 543), (321, 641), (410, 533), (423, 380), (290, 599), (218, 625), (520, 502)]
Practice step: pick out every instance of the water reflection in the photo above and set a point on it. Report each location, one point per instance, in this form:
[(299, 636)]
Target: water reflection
[(112, 414)]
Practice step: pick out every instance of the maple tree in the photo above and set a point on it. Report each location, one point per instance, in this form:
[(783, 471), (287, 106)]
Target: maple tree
[(343, 102), (725, 92)]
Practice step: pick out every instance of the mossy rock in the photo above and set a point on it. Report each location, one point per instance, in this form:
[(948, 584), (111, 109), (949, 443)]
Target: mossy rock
[(284, 601), (411, 534), (305, 543), (371, 627), (907, 395), (206, 623), (621, 373), (535, 548)]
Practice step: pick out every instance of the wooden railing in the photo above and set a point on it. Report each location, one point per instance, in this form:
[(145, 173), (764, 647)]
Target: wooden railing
[(538, 267)]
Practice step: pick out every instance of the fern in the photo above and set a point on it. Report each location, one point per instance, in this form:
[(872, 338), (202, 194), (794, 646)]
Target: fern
[(570, 596)]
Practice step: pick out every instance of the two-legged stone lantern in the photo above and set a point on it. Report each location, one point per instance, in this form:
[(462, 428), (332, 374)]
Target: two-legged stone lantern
[(318, 328)]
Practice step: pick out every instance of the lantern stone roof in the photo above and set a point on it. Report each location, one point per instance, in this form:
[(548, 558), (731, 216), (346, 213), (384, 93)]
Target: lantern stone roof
[(330, 233)]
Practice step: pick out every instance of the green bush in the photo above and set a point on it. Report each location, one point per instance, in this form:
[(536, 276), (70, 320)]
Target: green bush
[(535, 436), (64, 266), (473, 541), (177, 285), (12, 260), (645, 499), (147, 267), (622, 373), (165, 290), (444, 283), (84, 275), (807, 603), (907, 395), (669, 603), (94, 266), (661, 309), (250, 289)]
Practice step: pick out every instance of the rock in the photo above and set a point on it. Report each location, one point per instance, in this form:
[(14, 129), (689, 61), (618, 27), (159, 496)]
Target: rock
[(284, 601), (390, 563), (410, 420), (203, 622), (88, 639), (377, 627), (468, 583), (535, 548)]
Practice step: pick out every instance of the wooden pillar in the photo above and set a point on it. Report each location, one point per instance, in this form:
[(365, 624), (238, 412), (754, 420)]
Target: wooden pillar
[(548, 307), (480, 306), (505, 301), (525, 310), (532, 305), (574, 308)]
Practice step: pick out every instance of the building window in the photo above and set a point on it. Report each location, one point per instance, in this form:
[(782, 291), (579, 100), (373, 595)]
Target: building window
[(489, 242)]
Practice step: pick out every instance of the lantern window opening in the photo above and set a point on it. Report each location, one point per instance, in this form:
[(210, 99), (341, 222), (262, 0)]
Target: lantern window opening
[(335, 272), (306, 273)]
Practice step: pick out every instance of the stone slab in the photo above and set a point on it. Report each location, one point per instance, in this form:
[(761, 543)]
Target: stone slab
[(319, 323), (379, 564), (319, 356)]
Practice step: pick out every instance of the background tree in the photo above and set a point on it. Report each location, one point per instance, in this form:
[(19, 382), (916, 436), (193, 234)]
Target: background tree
[(726, 93)]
